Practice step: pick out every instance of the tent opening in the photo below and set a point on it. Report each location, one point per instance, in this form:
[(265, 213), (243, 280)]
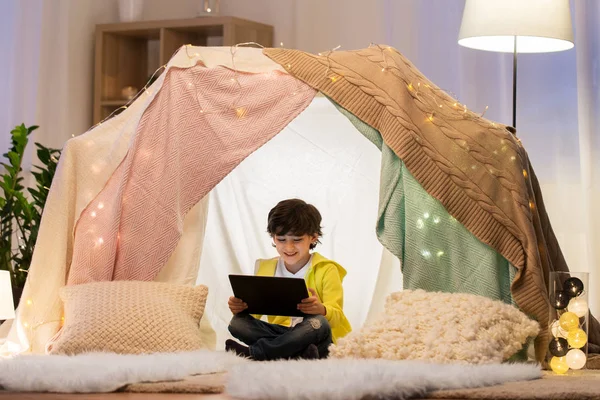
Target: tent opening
[(319, 157)]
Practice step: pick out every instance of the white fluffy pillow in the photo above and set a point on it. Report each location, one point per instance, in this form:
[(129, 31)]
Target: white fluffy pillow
[(442, 328)]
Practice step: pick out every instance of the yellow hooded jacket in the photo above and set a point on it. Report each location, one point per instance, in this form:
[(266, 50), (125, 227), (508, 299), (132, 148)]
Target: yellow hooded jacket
[(325, 276)]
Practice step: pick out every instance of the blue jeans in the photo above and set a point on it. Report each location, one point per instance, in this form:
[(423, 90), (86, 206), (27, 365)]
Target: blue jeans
[(270, 342)]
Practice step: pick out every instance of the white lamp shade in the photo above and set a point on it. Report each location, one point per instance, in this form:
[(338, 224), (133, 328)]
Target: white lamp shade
[(540, 26), (7, 308)]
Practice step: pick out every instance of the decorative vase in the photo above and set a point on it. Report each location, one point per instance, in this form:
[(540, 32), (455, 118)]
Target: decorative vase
[(569, 316), (208, 8), (130, 10)]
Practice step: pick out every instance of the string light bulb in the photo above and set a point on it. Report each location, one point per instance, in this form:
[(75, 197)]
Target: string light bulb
[(29, 302), (559, 365), (484, 111), (576, 359), (240, 112)]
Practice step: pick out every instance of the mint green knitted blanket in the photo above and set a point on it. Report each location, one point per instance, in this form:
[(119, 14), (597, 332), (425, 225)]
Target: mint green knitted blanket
[(437, 253)]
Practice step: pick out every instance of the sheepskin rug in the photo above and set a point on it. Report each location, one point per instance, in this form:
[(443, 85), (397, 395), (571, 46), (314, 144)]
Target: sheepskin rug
[(364, 379), (106, 372), (441, 328)]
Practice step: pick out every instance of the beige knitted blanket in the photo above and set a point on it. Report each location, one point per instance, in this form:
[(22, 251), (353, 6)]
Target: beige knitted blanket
[(476, 168)]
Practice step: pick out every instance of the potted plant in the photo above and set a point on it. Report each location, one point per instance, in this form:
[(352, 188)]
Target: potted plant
[(20, 207)]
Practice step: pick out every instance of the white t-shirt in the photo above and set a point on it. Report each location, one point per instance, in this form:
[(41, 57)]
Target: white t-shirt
[(283, 272)]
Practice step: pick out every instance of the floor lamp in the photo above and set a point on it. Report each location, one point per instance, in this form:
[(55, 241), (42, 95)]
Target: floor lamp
[(516, 26)]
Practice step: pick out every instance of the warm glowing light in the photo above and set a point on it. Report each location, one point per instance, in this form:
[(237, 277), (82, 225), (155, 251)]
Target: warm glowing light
[(577, 338), (524, 173), (576, 359), (93, 214), (100, 206), (559, 365), (29, 302), (578, 306), (569, 321), (240, 112)]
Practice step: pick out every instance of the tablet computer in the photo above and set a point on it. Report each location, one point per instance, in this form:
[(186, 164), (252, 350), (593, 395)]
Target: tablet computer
[(269, 295)]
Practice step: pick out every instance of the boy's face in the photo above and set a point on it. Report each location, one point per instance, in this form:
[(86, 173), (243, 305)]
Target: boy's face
[(294, 250)]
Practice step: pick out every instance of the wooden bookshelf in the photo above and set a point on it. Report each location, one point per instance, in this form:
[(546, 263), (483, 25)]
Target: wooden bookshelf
[(128, 53)]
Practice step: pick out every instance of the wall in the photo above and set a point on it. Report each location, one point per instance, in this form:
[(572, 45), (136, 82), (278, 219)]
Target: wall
[(58, 95)]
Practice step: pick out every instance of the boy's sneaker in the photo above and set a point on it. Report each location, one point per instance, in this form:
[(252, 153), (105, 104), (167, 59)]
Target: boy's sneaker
[(311, 352), (239, 349)]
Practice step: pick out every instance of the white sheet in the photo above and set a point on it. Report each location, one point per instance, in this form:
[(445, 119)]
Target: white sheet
[(321, 158)]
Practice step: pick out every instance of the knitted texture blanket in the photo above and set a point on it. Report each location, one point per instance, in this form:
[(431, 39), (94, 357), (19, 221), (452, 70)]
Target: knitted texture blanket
[(437, 253), (90, 160), (476, 168), (201, 125)]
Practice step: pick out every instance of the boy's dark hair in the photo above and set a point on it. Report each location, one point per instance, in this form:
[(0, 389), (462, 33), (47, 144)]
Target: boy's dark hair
[(295, 217)]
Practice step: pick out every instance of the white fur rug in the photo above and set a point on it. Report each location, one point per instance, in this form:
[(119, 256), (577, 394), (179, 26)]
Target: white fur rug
[(357, 379), (106, 372)]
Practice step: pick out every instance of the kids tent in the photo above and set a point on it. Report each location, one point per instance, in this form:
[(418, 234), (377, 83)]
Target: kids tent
[(416, 190)]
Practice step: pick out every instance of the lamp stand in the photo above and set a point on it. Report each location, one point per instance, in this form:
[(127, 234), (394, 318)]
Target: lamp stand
[(514, 102)]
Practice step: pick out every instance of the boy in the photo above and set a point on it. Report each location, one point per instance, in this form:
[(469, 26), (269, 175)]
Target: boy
[(295, 227)]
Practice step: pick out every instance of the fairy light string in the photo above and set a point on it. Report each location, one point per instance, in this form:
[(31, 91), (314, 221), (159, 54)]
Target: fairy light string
[(440, 108)]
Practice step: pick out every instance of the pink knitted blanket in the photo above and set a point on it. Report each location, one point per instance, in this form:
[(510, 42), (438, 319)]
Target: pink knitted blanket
[(200, 126)]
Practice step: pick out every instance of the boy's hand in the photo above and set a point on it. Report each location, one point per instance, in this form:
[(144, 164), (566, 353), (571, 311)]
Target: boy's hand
[(236, 305), (312, 304)]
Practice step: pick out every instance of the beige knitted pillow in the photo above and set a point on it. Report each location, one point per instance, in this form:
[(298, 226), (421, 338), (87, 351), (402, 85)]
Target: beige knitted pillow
[(130, 317), (442, 328)]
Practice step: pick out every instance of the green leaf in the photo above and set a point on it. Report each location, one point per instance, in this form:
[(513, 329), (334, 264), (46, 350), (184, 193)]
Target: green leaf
[(15, 159), (44, 156)]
